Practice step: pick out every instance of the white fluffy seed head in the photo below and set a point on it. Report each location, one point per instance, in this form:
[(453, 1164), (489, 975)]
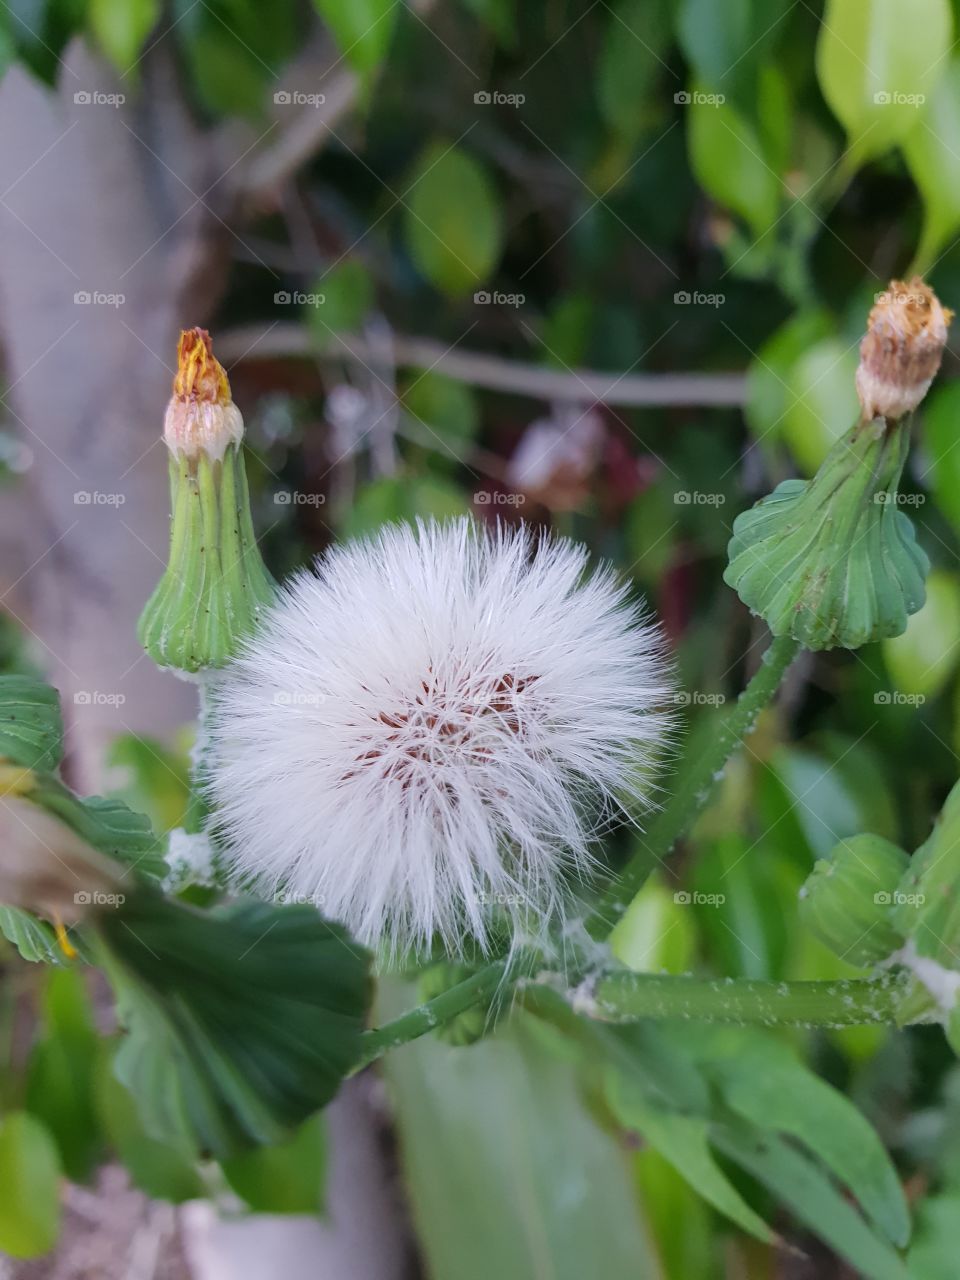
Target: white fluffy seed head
[(428, 734)]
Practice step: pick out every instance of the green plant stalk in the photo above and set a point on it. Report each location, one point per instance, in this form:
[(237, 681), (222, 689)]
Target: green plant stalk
[(693, 787), (627, 996)]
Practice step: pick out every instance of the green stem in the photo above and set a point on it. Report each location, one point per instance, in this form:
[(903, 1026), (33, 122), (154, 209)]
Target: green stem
[(693, 786), (625, 996)]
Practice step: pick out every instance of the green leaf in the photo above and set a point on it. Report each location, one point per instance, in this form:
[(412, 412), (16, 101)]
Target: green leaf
[(507, 1173), (683, 1140), (361, 28), (727, 158), (932, 152), (933, 1255), (34, 939), (158, 1168), (348, 294), (150, 777), (633, 60), (812, 1197), (453, 226), (499, 16), (121, 27), (30, 1178), (447, 408), (61, 1071), (766, 1084), (657, 931), (402, 498), (768, 376), (107, 824), (724, 44), (821, 400), (922, 660), (941, 433), (288, 1178), (877, 62), (31, 726), (241, 1023)]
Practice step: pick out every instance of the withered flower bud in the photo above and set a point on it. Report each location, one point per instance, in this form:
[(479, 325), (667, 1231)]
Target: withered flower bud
[(900, 354), (201, 415)]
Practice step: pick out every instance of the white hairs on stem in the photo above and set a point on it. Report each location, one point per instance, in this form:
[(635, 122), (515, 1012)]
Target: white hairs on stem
[(428, 734)]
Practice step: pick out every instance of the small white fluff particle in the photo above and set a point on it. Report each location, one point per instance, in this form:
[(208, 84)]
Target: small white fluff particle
[(430, 732)]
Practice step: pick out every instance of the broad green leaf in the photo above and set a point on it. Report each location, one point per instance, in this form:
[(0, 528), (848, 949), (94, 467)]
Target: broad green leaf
[(632, 61), (241, 1023), (106, 824), (724, 44), (287, 1178), (453, 226), (347, 293), (657, 931), (361, 28), (151, 778), (764, 1082), (31, 726), (61, 1072), (683, 1140), (877, 63), (922, 660), (158, 1168), (812, 1198), (30, 1178), (941, 436), (821, 401), (121, 27), (446, 409), (506, 1172), (402, 498), (933, 1254), (667, 1199), (932, 151), (33, 938), (770, 371), (227, 76), (727, 157)]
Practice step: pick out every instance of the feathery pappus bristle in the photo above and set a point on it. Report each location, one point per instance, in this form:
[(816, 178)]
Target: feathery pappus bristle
[(428, 733)]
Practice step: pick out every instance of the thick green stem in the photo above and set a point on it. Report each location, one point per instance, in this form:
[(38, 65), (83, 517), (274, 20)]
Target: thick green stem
[(693, 786), (625, 996)]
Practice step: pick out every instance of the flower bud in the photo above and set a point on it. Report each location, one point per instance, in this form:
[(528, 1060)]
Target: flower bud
[(216, 584), (900, 354), (848, 899)]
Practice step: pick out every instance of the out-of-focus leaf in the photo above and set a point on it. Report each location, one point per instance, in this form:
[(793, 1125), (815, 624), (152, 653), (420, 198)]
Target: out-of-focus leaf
[(31, 726), (667, 1199), (30, 1178), (932, 151), (400, 498), (108, 825), (877, 62), (768, 391), (61, 1069), (725, 44), (764, 1082), (361, 28), (933, 1254), (812, 1197), (922, 660), (241, 1023), (287, 1178), (821, 401), (683, 1140), (159, 1169), (632, 60), (657, 931), (499, 16), (228, 78), (154, 780), (808, 792), (507, 1174), (121, 27), (348, 294), (33, 938), (727, 158), (452, 222), (446, 407), (941, 435)]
